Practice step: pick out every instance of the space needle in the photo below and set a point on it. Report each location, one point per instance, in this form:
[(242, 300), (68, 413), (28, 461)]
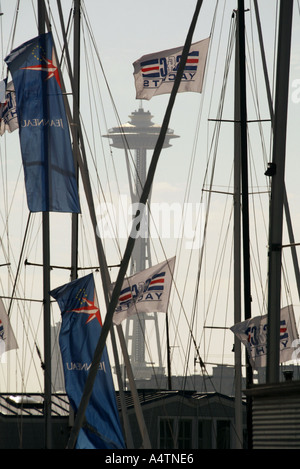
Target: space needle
[(140, 135)]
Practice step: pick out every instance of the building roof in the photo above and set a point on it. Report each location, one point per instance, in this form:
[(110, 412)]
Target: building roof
[(32, 404), (149, 396)]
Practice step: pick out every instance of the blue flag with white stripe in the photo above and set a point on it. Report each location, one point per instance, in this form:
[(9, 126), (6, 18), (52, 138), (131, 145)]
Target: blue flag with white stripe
[(79, 335), (43, 127)]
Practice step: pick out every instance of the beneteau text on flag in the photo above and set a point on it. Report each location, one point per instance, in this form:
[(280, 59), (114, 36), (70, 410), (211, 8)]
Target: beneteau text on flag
[(7, 337), (80, 331), (154, 74), (145, 292), (44, 133), (253, 334)]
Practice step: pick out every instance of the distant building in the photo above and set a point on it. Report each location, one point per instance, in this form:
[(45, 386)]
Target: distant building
[(221, 381)]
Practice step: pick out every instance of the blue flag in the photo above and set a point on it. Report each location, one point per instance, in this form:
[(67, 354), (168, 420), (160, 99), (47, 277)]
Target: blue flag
[(80, 331), (44, 133)]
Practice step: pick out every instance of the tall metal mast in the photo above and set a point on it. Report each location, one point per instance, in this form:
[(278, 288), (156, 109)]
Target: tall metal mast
[(245, 202), (277, 189), (237, 249), (46, 280), (76, 107)]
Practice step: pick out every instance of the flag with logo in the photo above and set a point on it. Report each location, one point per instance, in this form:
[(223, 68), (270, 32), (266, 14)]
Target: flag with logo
[(7, 337), (154, 74), (145, 292), (8, 110), (80, 331), (43, 128), (253, 334)]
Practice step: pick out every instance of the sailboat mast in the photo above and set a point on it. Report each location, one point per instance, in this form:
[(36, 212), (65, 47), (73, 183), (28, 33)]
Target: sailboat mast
[(244, 159), (76, 106), (286, 202), (277, 188), (46, 282), (245, 197), (237, 250)]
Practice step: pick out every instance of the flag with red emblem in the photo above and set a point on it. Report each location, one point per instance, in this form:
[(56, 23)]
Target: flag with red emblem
[(48, 161), (80, 331)]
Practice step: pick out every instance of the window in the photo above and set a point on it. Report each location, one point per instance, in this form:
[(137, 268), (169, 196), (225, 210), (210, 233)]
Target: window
[(223, 434), (184, 434), (166, 433), (170, 428), (194, 433), (204, 434)]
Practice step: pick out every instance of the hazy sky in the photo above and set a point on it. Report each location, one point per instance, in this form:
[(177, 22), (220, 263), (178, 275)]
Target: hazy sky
[(123, 32)]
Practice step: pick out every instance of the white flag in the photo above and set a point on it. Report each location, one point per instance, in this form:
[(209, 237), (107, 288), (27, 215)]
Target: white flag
[(145, 292), (253, 334), (7, 337), (154, 74), (8, 109)]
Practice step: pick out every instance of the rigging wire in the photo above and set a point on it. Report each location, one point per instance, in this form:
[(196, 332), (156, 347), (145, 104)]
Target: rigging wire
[(263, 152), (179, 247), (150, 211), (213, 153), (196, 298), (150, 207), (94, 159)]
